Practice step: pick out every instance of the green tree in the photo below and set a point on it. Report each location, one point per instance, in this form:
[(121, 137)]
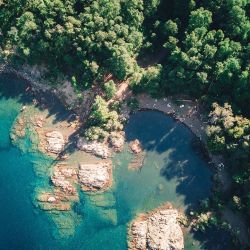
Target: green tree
[(110, 89)]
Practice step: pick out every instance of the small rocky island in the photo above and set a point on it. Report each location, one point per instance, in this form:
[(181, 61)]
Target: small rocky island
[(156, 230), (136, 149)]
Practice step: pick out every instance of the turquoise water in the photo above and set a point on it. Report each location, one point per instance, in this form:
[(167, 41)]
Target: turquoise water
[(173, 171)]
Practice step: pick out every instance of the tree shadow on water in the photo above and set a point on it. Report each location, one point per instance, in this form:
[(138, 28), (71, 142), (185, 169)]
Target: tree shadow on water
[(173, 142), (214, 239)]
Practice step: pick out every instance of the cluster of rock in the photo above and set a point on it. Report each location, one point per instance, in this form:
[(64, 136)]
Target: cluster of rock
[(55, 142), (158, 230), (18, 129), (95, 176), (93, 147), (64, 179), (139, 155), (39, 121), (138, 161)]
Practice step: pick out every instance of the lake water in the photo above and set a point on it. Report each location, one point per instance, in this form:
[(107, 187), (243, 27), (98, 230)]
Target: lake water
[(173, 171)]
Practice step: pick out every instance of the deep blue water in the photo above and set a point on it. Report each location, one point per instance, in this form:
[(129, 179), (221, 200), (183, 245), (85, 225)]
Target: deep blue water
[(173, 171)]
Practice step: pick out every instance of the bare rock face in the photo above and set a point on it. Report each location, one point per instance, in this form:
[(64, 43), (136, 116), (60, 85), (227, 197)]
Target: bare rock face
[(158, 230), (64, 179), (139, 233), (55, 142), (93, 147), (95, 176)]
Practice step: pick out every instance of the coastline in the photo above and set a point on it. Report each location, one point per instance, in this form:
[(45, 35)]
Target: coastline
[(193, 120)]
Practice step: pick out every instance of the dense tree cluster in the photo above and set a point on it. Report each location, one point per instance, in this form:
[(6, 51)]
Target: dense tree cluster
[(81, 37), (207, 50), (102, 121), (229, 134), (110, 89)]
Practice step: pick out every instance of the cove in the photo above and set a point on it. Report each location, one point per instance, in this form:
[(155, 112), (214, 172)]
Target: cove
[(173, 171)]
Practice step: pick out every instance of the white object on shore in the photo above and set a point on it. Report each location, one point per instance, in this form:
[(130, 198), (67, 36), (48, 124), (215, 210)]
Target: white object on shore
[(182, 106), (23, 108), (51, 199)]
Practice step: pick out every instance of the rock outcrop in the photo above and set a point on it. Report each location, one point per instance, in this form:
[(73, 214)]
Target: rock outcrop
[(64, 192), (158, 230), (93, 147), (95, 176), (135, 146), (55, 142)]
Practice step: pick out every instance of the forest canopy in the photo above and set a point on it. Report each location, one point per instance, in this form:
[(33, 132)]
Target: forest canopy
[(205, 43)]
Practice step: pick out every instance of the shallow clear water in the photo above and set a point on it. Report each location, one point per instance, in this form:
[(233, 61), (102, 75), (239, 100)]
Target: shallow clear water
[(172, 172)]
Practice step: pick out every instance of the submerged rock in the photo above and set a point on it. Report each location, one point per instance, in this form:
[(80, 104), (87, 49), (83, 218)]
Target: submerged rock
[(105, 200), (138, 161), (55, 142), (95, 176), (158, 230), (50, 201), (93, 147)]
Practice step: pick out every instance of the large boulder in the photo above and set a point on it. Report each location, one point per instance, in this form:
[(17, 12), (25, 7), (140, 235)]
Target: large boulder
[(96, 176), (55, 142), (93, 147), (158, 230)]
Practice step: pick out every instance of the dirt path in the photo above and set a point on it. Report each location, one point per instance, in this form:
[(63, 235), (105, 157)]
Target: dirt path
[(122, 93)]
